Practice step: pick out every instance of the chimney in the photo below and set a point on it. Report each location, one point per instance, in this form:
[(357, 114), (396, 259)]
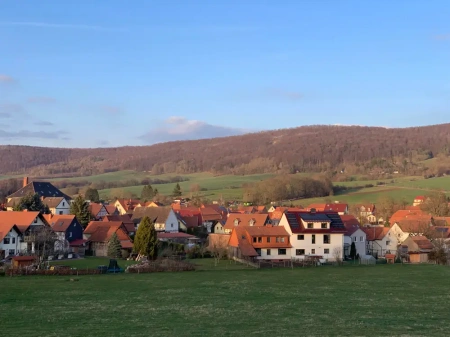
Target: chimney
[(25, 181)]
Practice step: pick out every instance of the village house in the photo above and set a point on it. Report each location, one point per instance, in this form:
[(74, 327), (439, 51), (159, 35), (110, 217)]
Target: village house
[(210, 218), (69, 233), (417, 248), (420, 199), (355, 234), (383, 240), (259, 243), (313, 233), (30, 224), (367, 212), (98, 211), (125, 219), (98, 233), (164, 218), (317, 207), (150, 204), (337, 207), (178, 237), (237, 219), (58, 202), (10, 236), (126, 205)]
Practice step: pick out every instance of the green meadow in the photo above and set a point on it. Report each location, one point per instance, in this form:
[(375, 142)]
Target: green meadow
[(380, 300)]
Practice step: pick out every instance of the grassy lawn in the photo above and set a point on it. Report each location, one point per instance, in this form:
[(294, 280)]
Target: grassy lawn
[(387, 300), (91, 262)]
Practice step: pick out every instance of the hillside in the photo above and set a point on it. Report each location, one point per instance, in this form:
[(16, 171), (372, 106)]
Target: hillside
[(309, 148)]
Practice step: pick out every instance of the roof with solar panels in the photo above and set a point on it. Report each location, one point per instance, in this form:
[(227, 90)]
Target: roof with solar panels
[(298, 221)]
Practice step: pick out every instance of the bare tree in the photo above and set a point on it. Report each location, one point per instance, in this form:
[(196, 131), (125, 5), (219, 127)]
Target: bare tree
[(337, 255), (218, 253)]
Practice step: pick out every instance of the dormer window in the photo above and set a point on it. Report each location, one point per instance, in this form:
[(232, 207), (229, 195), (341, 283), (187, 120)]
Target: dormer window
[(324, 225), (252, 222), (236, 222), (35, 220), (310, 225)]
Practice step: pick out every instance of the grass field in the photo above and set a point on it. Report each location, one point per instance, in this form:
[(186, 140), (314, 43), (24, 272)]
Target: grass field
[(386, 300)]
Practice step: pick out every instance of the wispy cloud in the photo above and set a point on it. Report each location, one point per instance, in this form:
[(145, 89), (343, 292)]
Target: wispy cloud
[(6, 135), (6, 79), (9, 110), (44, 123), (41, 100), (442, 37), (61, 26), (180, 128), (111, 110)]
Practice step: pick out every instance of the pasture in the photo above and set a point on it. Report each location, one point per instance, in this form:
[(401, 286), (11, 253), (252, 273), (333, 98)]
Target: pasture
[(381, 300)]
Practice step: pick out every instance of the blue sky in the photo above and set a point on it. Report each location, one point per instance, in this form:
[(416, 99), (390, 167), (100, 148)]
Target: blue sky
[(110, 73)]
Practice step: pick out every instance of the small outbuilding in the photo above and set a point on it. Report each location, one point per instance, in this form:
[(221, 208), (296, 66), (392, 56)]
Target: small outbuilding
[(23, 261)]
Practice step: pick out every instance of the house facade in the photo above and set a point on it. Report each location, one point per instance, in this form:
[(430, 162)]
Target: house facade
[(354, 234), (164, 218), (383, 240), (68, 232), (319, 234), (10, 237), (238, 219), (57, 205)]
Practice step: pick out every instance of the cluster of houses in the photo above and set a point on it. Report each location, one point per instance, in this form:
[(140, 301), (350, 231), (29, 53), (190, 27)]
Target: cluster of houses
[(322, 231)]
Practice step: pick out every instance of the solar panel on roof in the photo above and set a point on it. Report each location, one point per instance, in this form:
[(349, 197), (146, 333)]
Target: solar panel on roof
[(292, 219)]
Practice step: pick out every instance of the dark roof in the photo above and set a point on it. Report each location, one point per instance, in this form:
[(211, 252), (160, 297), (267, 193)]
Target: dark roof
[(43, 189), (295, 221)]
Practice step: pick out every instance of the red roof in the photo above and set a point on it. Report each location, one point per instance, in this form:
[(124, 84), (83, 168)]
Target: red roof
[(22, 220), (125, 219), (76, 243), (407, 214), (336, 207), (5, 228), (101, 231), (422, 242), (60, 223), (245, 220), (351, 224), (95, 209), (375, 232), (317, 207)]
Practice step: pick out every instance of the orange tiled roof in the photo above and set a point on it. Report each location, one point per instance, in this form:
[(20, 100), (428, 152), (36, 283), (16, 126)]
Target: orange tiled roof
[(406, 214), (95, 208), (101, 231), (317, 207), (6, 228), (60, 223), (336, 207), (23, 220), (375, 232), (351, 224), (244, 220)]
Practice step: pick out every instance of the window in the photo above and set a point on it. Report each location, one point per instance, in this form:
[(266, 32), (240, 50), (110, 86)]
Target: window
[(11, 252), (268, 240), (299, 252), (310, 225), (282, 239), (313, 251), (268, 251), (64, 204), (300, 237), (361, 238), (13, 240), (354, 239), (6, 241), (35, 220), (260, 240), (326, 238), (324, 225), (388, 242), (258, 251), (70, 234), (254, 240), (278, 239), (60, 212), (326, 251), (171, 225), (313, 238), (281, 251)]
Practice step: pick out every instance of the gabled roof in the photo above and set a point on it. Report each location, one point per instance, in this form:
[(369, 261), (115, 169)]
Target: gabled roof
[(43, 189), (295, 222), (53, 202), (128, 204), (60, 223), (111, 209), (409, 215), (367, 207), (422, 242), (351, 224), (95, 208), (101, 231), (336, 207), (23, 220), (209, 214), (125, 219), (413, 225), (189, 221), (375, 232), (240, 238), (6, 228), (245, 220), (156, 214)]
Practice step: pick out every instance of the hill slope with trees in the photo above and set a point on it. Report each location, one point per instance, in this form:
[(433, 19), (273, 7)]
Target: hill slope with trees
[(307, 148)]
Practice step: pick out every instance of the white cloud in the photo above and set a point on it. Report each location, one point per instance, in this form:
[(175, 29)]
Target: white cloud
[(179, 128)]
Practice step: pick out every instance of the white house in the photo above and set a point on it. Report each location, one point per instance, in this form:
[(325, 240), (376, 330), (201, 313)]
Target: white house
[(28, 223), (354, 234), (57, 205), (10, 236), (164, 218), (384, 240), (314, 233)]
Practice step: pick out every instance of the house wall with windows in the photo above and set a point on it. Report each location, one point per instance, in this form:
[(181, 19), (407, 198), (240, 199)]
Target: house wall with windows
[(63, 208), (359, 238), (316, 244), (24, 246), (170, 225), (274, 253), (10, 243)]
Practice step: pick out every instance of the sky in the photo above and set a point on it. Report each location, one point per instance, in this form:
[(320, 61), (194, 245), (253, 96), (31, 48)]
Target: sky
[(82, 73)]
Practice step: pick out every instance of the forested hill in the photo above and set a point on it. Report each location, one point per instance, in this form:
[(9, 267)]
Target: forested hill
[(307, 148)]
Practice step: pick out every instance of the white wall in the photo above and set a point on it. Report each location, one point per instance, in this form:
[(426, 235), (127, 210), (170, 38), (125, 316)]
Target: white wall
[(64, 207), (359, 238), (171, 224), (13, 243), (274, 254)]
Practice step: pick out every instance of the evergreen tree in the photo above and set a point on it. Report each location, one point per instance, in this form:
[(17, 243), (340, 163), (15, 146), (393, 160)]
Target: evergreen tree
[(114, 247), (353, 250), (92, 195), (32, 202), (146, 239), (80, 209), (147, 193), (177, 190)]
